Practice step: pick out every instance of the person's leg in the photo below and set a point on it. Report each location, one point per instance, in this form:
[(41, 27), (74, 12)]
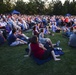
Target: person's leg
[(50, 42), (17, 43), (47, 54), (50, 53), (25, 36), (55, 56), (22, 42), (46, 45)]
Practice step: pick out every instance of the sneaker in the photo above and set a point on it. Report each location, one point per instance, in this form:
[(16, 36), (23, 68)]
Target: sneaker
[(60, 49), (26, 55), (58, 43)]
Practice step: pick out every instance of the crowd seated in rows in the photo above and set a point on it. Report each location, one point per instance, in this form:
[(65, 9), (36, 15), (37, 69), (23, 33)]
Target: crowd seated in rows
[(64, 24)]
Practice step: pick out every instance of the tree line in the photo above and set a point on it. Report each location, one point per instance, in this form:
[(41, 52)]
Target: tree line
[(34, 7)]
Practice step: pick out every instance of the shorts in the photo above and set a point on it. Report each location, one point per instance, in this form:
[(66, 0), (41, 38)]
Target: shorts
[(47, 54)]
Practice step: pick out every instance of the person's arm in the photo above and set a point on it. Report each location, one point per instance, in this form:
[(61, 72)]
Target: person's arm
[(42, 46), (29, 53), (21, 40), (18, 39)]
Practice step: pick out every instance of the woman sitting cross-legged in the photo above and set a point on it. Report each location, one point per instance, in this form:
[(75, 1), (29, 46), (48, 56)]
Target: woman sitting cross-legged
[(39, 51)]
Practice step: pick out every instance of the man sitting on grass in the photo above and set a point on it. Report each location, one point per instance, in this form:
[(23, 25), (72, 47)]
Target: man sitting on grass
[(13, 40), (2, 38), (72, 39)]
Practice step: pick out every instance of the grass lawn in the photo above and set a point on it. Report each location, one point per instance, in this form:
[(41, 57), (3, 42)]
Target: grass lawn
[(12, 61)]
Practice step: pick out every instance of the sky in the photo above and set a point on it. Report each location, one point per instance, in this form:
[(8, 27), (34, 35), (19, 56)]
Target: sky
[(51, 0)]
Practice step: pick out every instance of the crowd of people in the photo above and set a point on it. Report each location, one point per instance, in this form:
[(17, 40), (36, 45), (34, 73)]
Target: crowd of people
[(12, 27)]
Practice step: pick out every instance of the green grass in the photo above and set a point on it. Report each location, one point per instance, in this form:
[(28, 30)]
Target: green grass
[(12, 61)]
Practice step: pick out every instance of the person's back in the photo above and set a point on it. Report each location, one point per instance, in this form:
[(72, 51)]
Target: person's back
[(53, 28), (72, 40), (35, 32), (37, 51), (11, 38), (41, 37), (2, 39)]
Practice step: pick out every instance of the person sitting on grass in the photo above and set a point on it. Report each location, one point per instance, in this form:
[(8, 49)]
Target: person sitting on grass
[(2, 38), (35, 31), (44, 40), (72, 38), (21, 35), (67, 31), (55, 28), (39, 51), (13, 40), (47, 31)]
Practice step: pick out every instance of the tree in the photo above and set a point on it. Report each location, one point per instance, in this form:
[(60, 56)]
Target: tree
[(35, 7), (1, 1), (66, 7), (5, 7), (40, 6), (30, 8), (2, 8), (49, 10), (57, 9), (20, 6), (74, 8), (9, 6), (73, 0)]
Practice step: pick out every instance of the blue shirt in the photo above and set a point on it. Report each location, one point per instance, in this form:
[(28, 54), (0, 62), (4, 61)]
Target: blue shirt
[(54, 28), (11, 39), (72, 40)]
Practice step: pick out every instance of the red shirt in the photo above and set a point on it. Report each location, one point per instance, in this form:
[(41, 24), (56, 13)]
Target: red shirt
[(66, 20), (37, 51)]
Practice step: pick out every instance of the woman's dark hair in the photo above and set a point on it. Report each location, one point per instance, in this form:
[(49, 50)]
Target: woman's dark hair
[(14, 30), (34, 27), (41, 30), (71, 29), (34, 39)]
